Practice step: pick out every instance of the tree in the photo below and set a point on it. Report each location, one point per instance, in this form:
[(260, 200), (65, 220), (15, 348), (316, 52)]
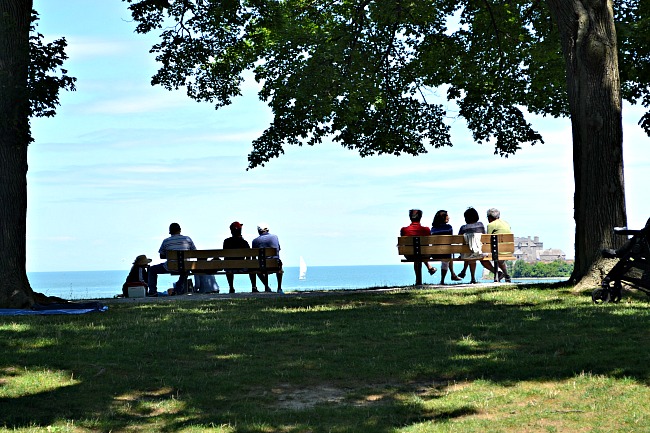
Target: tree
[(362, 72), (557, 268), (28, 88)]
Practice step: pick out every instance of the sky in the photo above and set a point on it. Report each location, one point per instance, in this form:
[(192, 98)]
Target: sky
[(122, 160)]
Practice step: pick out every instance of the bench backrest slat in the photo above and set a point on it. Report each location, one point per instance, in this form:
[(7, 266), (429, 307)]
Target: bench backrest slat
[(224, 259), (451, 239), (221, 254), (504, 248), (454, 244)]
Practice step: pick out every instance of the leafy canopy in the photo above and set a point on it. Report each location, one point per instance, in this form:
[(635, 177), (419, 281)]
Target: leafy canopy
[(633, 29), (367, 73), (46, 76)]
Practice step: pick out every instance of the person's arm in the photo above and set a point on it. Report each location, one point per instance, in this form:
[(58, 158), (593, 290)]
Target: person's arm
[(162, 251)]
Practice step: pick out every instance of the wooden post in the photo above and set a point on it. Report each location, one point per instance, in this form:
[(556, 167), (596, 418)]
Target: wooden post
[(417, 264), (180, 258), (418, 273), (494, 247)]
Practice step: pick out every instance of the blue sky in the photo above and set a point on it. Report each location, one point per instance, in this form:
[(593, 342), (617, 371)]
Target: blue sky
[(122, 160)]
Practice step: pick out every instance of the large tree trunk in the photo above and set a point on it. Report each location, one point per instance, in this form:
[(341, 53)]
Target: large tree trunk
[(589, 45), (15, 18)]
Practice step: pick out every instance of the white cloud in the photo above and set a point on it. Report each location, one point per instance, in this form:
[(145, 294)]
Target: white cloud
[(83, 48)]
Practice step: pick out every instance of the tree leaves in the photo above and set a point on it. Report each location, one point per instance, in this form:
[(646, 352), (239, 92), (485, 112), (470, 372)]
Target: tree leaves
[(633, 31), (365, 72), (43, 83)]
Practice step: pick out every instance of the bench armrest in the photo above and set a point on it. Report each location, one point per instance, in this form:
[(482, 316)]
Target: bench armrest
[(625, 231)]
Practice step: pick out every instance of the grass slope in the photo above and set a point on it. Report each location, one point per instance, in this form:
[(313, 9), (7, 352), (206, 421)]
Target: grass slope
[(526, 359)]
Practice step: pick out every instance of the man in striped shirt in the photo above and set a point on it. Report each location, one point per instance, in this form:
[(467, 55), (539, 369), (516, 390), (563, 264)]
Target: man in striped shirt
[(176, 242)]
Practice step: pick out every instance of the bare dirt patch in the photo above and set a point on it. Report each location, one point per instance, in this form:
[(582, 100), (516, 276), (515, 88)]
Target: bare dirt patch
[(305, 398), (290, 397)]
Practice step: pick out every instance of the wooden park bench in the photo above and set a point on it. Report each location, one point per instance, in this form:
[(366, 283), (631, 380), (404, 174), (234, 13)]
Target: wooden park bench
[(420, 248), (212, 262)]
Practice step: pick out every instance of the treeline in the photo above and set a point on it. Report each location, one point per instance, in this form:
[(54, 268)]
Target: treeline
[(557, 268)]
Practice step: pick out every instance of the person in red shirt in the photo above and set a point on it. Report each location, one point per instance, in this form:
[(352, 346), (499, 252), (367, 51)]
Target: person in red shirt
[(417, 229)]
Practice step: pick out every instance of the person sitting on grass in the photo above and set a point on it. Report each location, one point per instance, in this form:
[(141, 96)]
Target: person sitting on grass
[(138, 275)]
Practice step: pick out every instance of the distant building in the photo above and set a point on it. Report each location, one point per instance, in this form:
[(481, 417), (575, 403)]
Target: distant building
[(551, 255), (526, 249), (532, 250)]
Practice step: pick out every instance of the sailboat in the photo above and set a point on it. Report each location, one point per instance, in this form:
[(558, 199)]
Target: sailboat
[(303, 269)]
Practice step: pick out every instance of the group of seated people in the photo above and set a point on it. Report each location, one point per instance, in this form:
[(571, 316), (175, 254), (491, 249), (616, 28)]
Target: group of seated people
[(441, 226), (142, 274)]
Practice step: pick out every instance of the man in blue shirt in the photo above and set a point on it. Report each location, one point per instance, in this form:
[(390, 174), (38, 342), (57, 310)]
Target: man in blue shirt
[(267, 240), (176, 242)]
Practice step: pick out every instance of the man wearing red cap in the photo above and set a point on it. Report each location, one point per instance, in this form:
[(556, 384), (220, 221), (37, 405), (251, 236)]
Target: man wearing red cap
[(237, 241)]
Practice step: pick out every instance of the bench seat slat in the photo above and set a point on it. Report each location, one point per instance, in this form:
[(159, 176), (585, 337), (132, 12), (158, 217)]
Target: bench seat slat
[(489, 257)]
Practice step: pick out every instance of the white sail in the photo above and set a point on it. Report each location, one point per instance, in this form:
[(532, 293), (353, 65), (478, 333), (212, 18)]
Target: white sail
[(303, 269)]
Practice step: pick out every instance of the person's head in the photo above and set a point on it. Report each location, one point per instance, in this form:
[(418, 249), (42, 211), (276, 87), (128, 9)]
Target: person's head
[(493, 214), (262, 228), (440, 218), (415, 215), (471, 215), (174, 229), (235, 228)]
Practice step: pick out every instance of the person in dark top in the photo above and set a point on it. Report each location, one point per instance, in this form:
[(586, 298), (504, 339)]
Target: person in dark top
[(440, 226), (138, 275), (233, 242)]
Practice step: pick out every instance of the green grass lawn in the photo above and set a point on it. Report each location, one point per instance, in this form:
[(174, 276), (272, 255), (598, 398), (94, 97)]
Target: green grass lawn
[(526, 359)]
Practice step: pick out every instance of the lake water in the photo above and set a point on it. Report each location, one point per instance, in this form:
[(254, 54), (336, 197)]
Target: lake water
[(107, 284)]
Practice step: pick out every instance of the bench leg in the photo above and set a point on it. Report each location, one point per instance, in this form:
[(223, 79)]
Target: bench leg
[(417, 267), (183, 286), (264, 278), (278, 276)]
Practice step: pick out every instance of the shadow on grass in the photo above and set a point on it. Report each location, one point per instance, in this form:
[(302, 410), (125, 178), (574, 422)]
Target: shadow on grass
[(345, 363)]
